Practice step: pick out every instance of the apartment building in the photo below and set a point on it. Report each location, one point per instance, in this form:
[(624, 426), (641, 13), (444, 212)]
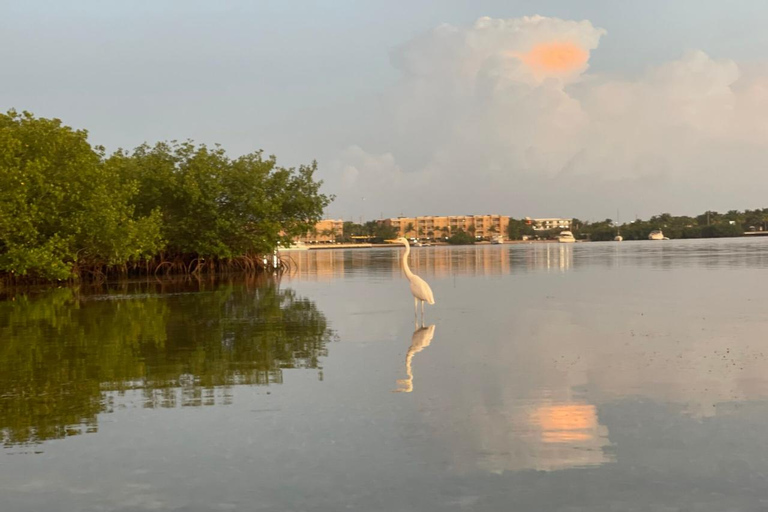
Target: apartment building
[(327, 230), (551, 223), (484, 226)]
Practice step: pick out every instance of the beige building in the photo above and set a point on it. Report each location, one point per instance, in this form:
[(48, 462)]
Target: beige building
[(484, 226), (327, 230), (552, 223)]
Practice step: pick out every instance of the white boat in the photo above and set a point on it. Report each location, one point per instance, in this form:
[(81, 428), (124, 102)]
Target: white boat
[(618, 237), (656, 234), (498, 239), (566, 237)]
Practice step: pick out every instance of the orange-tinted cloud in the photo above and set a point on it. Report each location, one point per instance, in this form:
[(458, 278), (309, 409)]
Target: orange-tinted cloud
[(555, 58)]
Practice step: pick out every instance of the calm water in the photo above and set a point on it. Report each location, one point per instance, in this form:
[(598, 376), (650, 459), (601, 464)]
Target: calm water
[(586, 377)]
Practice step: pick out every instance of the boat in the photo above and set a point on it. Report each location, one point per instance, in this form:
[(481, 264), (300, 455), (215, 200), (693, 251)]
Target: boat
[(618, 238), (498, 239), (656, 234), (566, 237)]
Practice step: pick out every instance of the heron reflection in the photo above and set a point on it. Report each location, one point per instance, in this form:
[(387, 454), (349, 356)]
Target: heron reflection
[(420, 340)]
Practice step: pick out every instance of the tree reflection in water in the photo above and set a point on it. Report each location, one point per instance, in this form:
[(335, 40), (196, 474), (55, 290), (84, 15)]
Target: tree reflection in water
[(66, 354)]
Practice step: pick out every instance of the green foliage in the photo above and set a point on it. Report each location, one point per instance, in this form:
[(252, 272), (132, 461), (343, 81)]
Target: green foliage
[(518, 228), (637, 230), (461, 237), (379, 232), (61, 206), (375, 232), (215, 207), (547, 234), (602, 231), (721, 230), (351, 229), (66, 209)]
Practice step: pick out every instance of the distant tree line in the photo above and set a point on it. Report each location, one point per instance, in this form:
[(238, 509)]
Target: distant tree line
[(709, 224), (68, 210), (460, 237), (377, 232), (372, 230), (519, 229)]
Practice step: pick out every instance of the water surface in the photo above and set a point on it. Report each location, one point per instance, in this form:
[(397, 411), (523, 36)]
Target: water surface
[(611, 376)]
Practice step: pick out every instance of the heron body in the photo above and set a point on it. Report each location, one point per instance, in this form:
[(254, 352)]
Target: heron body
[(421, 290), (419, 287)]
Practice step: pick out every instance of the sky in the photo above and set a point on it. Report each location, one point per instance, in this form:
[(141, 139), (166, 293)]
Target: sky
[(588, 109)]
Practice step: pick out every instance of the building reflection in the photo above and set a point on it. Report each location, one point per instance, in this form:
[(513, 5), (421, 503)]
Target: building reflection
[(325, 264), (548, 256), (491, 260), (68, 355), (439, 262), (436, 262)]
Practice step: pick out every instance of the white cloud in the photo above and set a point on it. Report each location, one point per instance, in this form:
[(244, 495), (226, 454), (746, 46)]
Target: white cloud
[(368, 180), (503, 116)]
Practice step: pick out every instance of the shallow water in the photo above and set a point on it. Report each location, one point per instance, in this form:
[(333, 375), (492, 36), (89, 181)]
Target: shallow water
[(548, 377)]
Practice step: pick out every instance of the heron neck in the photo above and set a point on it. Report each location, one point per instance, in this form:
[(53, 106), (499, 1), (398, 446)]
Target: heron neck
[(406, 268)]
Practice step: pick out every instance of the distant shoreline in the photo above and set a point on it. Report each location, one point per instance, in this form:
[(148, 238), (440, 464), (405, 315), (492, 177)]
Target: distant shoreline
[(324, 246), (317, 247)]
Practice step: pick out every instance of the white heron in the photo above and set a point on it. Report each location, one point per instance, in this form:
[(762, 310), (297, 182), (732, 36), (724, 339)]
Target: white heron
[(419, 287)]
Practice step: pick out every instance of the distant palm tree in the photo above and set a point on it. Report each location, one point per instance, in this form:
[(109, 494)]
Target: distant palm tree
[(408, 228)]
